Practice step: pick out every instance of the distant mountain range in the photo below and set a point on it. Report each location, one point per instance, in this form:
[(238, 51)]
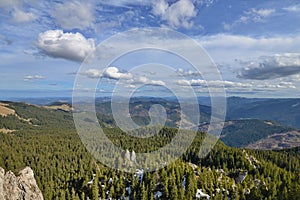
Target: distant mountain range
[(285, 111), (45, 138), (251, 123)]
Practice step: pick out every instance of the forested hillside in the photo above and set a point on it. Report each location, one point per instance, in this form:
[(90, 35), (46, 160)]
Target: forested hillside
[(285, 111), (257, 133), (48, 143)]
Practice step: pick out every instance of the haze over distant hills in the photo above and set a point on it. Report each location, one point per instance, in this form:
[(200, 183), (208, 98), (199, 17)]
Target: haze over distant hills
[(282, 110), (253, 123)]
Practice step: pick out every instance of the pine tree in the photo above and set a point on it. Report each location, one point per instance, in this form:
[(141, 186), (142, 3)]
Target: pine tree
[(82, 197), (190, 185), (95, 189)]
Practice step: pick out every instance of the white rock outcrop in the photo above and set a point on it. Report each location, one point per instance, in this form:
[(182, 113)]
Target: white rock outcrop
[(22, 187)]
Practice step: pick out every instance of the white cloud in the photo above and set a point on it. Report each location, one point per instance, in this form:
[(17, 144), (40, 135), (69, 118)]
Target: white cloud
[(215, 83), (224, 47), (252, 15), (294, 78), (139, 80), (146, 81), (114, 73), (271, 67), (93, 73), (34, 77), (193, 82), (156, 82), (293, 8), (19, 16), (188, 72), (160, 7), (73, 14), (288, 85), (281, 85), (110, 72), (129, 80), (177, 15), (71, 46), (130, 86), (230, 84), (262, 12), (233, 86)]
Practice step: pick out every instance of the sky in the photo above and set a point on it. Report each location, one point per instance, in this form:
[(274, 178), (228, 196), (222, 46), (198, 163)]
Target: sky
[(51, 48)]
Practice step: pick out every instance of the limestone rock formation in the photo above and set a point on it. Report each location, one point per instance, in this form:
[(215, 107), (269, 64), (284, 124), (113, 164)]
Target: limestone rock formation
[(22, 187)]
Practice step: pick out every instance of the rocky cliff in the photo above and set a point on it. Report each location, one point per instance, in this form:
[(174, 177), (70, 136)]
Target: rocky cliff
[(22, 187)]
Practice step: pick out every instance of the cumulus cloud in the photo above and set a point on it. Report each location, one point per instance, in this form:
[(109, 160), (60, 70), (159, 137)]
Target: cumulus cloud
[(19, 16), (114, 73), (230, 84), (34, 77), (93, 73), (177, 15), (139, 80), (146, 81), (281, 85), (215, 84), (188, 72), (271, 67), (71, 46), (160, 7), (193, 82), (73, 14), (156, 82), (110, 73), (129, 80)]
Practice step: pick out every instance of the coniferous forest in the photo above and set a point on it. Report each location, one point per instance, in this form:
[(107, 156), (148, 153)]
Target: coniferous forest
[(150, 99), (63, 168)]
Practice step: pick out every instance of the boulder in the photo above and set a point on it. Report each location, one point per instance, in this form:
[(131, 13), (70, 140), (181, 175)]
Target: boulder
[(22, 187)]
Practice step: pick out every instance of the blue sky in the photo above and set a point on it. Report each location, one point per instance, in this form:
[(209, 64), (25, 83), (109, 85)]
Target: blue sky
[(255, 44)]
